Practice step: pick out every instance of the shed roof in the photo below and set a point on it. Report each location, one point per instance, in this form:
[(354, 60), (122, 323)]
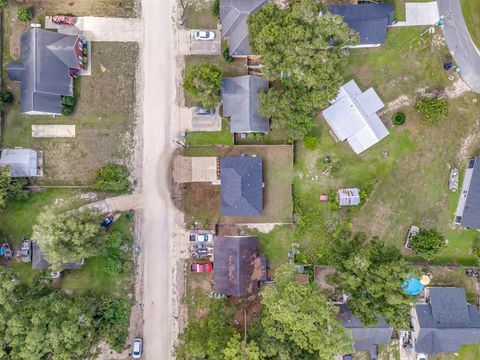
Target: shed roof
[(241, 190), (446, 321), (471, 210), (39, 262), (369, 20), (44, 71), (233, 16), (237, 265), (353, 117), (22, 162), (348, 197), (240, 103)]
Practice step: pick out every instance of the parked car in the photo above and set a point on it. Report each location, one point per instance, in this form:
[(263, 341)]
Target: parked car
[(202, 267), (26, 251), (64, 20), (204, 35), (107, 222), (202, 251), (137, 348), (204, 112), (201, 237), (421, 356)]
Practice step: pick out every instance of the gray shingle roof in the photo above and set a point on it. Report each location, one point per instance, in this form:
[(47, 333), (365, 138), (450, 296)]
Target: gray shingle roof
[(237, 265), (369, 20), (447, 322), (233, 16), (471, 211), (365, 338), (241, 190), (22, 162), (39, 262), (44, 71), (240, 103)]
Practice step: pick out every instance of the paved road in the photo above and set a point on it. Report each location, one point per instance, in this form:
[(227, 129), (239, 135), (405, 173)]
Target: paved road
[(460, 44)]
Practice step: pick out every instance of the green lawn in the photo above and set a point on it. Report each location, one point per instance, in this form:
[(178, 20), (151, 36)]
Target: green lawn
[(198, 138), (276, 244), (471, 14), (198, 15)]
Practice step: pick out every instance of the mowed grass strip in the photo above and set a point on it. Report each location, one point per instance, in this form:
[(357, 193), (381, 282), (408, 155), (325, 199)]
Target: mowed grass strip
[(471, 14)]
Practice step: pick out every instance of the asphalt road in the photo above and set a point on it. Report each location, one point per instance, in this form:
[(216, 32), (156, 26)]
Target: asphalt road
[(460, 44)]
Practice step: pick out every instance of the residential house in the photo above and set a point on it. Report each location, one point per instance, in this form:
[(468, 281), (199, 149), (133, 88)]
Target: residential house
[(365, 339), (49, 60), (39, 262), (468, 208), (22, 162), (233, 16), (241, 192), (369, 20), (348, 197), (238, 267), (444, 322), (353, 117), (240, 103)]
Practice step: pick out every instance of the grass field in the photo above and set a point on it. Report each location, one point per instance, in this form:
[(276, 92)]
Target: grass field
[(198, 15), (471, 14), (276, 244), (199, 138)]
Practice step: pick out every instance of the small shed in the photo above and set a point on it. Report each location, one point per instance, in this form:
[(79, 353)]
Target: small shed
[(348, 197), (22, 162)]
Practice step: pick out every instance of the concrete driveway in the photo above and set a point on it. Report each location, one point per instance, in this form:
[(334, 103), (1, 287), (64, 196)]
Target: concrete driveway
[(206, 47), (460, 43), (420, 14)]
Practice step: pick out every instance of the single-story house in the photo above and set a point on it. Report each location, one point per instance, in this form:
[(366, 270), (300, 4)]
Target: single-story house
[(241, 192), (49, 60), (369, 20), (22, 162), (240, 103), (353, 117), (365, 338), (444, 322), (238, 268), (468, 208), (348, 197), (233, 16), (39, 262)]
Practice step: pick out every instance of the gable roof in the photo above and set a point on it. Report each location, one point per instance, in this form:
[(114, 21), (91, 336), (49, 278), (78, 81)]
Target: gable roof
[(44, 71), (353, 117), (238, 267), (240, 103), (470, 213), (233, 16), (39, 262), (365, 338), (22, 162), (369, 20), (241, 190), (446, 321)]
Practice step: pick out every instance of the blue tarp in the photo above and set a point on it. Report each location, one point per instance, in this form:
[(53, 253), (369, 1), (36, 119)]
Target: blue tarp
[(1, 251), (413, 286)]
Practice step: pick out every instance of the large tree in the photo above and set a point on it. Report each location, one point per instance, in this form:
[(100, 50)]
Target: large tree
[(203, 83), (237, 350), (13, 188), (68, 236), (301, 314), (372, 277)]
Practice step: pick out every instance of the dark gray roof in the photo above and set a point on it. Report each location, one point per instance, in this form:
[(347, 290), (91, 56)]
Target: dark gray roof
[(240, 103), (233, 16), (241, 190), (471, 211), (365, 338), (369, 20), (446, 322), (44, 71), (39, 262), (237, 267), (22, 162)]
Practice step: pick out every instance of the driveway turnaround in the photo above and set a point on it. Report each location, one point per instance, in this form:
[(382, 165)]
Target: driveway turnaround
[(460, 43), (420, 14), (52, 131)]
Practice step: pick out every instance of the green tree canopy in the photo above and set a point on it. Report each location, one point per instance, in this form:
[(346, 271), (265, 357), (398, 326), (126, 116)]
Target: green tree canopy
[(428, 243), (433, 109), (237, 350), (112, 177), (68, 237), (300, 313), (24, 14), (13, 188), (203, 83)]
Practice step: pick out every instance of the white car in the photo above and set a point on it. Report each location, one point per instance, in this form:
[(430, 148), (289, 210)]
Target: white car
[(421, 356), (137, 348), (204, 35)]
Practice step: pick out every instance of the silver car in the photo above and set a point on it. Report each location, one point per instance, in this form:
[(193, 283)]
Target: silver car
[(202, 35), (137, 348)]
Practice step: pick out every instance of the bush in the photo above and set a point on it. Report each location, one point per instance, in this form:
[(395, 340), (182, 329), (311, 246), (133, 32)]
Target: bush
[(66, 110), (6, 97), (433, 109), (310, 142), (3, 4), (112, 177), (398, 118), (68, 105), (428, 243), (24, 14), (215, 7), (226, 55), (203, 83)]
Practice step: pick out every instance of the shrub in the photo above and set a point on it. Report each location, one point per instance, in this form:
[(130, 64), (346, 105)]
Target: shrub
[(433, 109), (68, 105), (112, 177), (6, 97), (428, 243), (3, 4), (398, 118), (24, 14), (226, 55), (310, 142), (66, 110), (203, 83), (215, 7)]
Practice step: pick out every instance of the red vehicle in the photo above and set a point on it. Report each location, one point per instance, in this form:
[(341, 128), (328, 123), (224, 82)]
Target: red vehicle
[(64, 20), (202, 267)]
